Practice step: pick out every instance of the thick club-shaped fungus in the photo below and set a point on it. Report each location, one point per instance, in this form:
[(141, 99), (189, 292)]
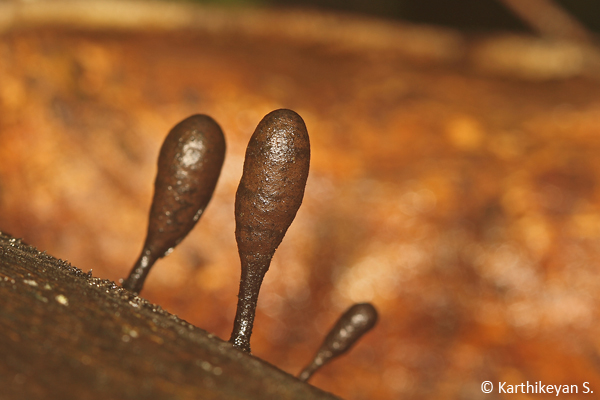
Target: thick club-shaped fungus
[(268, 197), (189, 165)]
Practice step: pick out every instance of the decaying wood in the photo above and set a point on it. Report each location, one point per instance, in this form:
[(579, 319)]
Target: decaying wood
[(65, 334)]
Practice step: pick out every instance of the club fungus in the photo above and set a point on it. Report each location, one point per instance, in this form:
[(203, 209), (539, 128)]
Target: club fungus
[(267, 199), (351, 326), (189, 165)]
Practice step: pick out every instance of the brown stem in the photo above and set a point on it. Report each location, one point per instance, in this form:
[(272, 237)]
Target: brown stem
[(139, 272), (252, 277)]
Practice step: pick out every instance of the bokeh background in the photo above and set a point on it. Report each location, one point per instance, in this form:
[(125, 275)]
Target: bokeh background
[(466, 15), (454, 183)]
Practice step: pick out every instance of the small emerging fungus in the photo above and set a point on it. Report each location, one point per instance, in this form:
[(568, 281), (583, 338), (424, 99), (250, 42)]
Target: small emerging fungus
[(352, 325)]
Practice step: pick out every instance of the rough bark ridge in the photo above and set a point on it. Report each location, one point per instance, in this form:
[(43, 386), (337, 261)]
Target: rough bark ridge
[(65, 334)]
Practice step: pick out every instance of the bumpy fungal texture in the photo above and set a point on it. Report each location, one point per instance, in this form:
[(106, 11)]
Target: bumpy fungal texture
[(351, 326), (267, 199), (189, 165)]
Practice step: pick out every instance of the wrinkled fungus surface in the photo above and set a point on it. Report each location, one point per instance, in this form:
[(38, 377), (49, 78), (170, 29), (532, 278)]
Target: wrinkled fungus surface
[(266, 202)]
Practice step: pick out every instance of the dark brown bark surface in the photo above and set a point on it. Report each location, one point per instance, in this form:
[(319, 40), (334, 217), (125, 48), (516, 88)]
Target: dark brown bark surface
[(65, 334)]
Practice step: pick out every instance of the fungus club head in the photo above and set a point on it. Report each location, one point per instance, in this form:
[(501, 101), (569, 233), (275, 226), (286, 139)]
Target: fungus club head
[(272, 185)]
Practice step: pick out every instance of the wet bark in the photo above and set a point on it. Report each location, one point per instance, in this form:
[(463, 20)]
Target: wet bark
[(66, 334)]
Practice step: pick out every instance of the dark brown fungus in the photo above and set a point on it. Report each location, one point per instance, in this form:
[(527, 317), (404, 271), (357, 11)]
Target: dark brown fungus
[(189, 165), (353, 324), (266, 202)]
